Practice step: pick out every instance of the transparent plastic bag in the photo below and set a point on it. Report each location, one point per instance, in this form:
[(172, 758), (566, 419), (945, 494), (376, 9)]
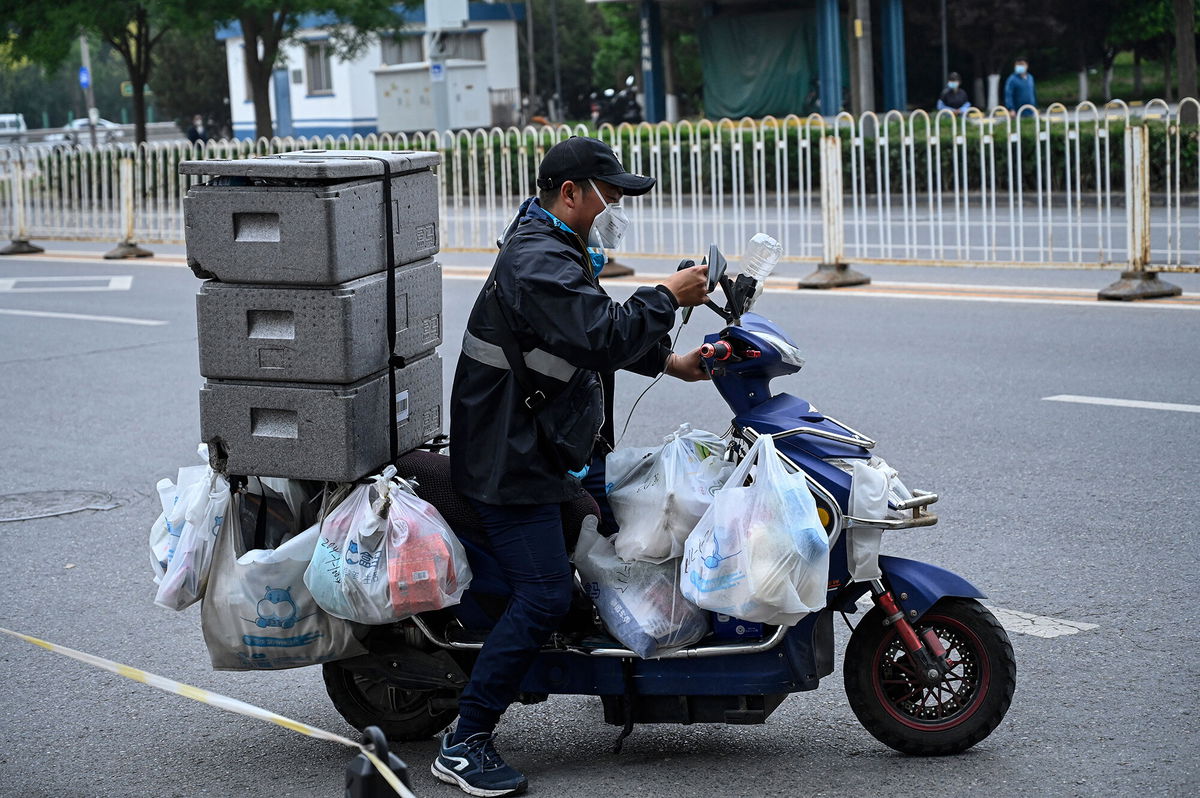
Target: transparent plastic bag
[(658, 494), (186, 576), (384, 554), (174, 498), (257, 613), (760, 552), (639, 602)]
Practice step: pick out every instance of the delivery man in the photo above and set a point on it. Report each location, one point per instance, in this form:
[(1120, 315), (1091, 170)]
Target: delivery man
[(531, 413)]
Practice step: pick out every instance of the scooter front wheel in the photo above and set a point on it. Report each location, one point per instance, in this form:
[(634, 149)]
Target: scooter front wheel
[(913, 716)]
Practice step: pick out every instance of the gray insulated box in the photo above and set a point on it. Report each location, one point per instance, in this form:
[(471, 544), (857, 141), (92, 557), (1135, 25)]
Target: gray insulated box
[(330, 335), (308, 218), (334, 433)]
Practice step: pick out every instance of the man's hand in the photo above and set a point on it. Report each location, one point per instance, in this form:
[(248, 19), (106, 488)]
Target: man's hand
[(688, 368), (689, 286)]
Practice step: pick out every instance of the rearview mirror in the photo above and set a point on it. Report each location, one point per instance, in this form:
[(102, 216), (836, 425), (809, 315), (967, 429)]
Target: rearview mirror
[(716, 267)]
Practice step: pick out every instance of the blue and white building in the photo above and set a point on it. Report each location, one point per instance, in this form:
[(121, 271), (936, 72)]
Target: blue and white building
[(386, 89)]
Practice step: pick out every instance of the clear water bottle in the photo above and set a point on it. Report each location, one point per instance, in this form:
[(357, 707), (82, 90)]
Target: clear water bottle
[(762, 253)]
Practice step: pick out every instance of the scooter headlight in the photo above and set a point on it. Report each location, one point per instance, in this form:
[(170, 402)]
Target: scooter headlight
[(789, 353)]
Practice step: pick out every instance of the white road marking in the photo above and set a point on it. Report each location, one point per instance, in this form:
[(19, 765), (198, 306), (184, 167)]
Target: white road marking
[(15, 285), (46, 314), (1138, 403), (1078, 303), (1023, 623)]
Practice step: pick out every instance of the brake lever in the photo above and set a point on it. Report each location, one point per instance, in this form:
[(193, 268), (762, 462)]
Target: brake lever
[(687, 263)]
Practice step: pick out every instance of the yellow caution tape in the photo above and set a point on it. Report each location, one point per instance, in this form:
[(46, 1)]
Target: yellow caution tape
[(220, 702)]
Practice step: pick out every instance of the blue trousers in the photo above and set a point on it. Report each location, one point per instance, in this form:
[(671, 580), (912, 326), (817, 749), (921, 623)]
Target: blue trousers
[(527, 541)]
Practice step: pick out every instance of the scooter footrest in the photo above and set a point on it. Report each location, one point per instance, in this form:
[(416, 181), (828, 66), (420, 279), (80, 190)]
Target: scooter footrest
[(472, 636)]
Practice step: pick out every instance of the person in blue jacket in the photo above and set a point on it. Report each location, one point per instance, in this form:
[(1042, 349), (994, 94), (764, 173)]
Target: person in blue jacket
[(1019, 89)]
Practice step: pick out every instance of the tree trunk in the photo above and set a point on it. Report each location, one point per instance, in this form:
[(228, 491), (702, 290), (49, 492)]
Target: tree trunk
[(1083, 84), (267, 30), (1137, 74), (135, 43), (1185, 56)]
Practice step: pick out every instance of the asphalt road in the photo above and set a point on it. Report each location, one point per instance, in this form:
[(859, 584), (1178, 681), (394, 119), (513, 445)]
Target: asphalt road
[(1071, 511), (926, 229)]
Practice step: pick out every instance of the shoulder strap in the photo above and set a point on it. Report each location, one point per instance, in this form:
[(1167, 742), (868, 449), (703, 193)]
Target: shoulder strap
[(535, 398)]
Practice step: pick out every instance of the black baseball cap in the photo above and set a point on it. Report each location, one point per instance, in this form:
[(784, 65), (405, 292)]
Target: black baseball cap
[(580, 158)]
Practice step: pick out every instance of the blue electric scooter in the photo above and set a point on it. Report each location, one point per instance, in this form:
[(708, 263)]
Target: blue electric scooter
[(928, 670)]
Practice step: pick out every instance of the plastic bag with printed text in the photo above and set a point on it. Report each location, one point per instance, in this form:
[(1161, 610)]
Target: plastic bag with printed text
[(760, 552), (259, 615), (185, 578), (384, 554), (639, 602)]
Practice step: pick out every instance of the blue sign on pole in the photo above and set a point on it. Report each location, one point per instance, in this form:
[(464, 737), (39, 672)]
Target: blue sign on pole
[(84, 77)]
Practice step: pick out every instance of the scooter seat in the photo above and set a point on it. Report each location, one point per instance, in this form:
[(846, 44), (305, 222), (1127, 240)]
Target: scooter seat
[(431, 472)]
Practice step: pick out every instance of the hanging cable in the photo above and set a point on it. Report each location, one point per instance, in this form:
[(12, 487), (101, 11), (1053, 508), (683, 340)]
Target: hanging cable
[(625, 428)]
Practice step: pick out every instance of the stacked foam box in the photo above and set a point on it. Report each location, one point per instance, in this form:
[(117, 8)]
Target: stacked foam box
[(293, 332)]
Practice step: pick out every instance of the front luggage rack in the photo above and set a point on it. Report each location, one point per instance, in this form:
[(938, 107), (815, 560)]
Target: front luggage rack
[(917, 504)]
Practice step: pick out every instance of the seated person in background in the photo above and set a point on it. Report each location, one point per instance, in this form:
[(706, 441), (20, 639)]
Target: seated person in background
[(953, 97)]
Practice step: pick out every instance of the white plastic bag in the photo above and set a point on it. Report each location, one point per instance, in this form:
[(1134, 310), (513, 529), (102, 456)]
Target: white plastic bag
[(639, 602), (869, 489), (658, 494), (388, 560), (207, 510), (257, 613), (760, 552), (174, 498)]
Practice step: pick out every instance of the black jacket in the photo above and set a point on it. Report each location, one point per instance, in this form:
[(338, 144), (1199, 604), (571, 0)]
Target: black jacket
[(563, 321)]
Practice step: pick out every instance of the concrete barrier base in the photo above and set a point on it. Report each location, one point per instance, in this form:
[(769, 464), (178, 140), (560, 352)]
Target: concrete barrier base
[(1139, 285), (614, 269), (20, 246), (127, 249), (833, 275)]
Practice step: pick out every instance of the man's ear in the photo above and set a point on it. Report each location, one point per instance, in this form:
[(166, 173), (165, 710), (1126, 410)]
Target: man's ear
[(569, 194)]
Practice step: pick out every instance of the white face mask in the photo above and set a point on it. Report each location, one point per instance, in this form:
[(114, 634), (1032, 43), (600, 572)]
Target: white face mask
[(608, 228)]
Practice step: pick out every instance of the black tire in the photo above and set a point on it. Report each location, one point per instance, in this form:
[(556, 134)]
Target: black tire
[(964, 708), (403, 715)]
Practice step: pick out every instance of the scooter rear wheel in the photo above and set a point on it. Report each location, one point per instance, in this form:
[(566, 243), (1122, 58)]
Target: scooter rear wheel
[(913, 717), (403, 715)]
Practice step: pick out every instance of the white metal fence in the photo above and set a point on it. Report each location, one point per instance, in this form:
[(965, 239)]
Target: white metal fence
[(1042, 188)]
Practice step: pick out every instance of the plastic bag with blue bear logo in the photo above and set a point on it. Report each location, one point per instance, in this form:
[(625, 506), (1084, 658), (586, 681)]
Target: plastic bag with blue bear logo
[(384, 555), (259, 615), (760, 552), (639, 602), (186, 576)]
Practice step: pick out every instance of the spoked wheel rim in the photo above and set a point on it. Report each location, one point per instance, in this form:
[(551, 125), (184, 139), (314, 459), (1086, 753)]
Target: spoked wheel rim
[(919, 705), (376, 694)]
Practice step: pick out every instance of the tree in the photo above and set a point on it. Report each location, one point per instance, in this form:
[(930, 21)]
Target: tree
[(190, 77), (48, 98), (1140, 26), (576, 32), (268, 24), (617, 53), (44, 33)]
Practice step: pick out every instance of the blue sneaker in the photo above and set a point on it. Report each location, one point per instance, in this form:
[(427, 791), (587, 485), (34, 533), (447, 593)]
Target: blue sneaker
[(476, 767)]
